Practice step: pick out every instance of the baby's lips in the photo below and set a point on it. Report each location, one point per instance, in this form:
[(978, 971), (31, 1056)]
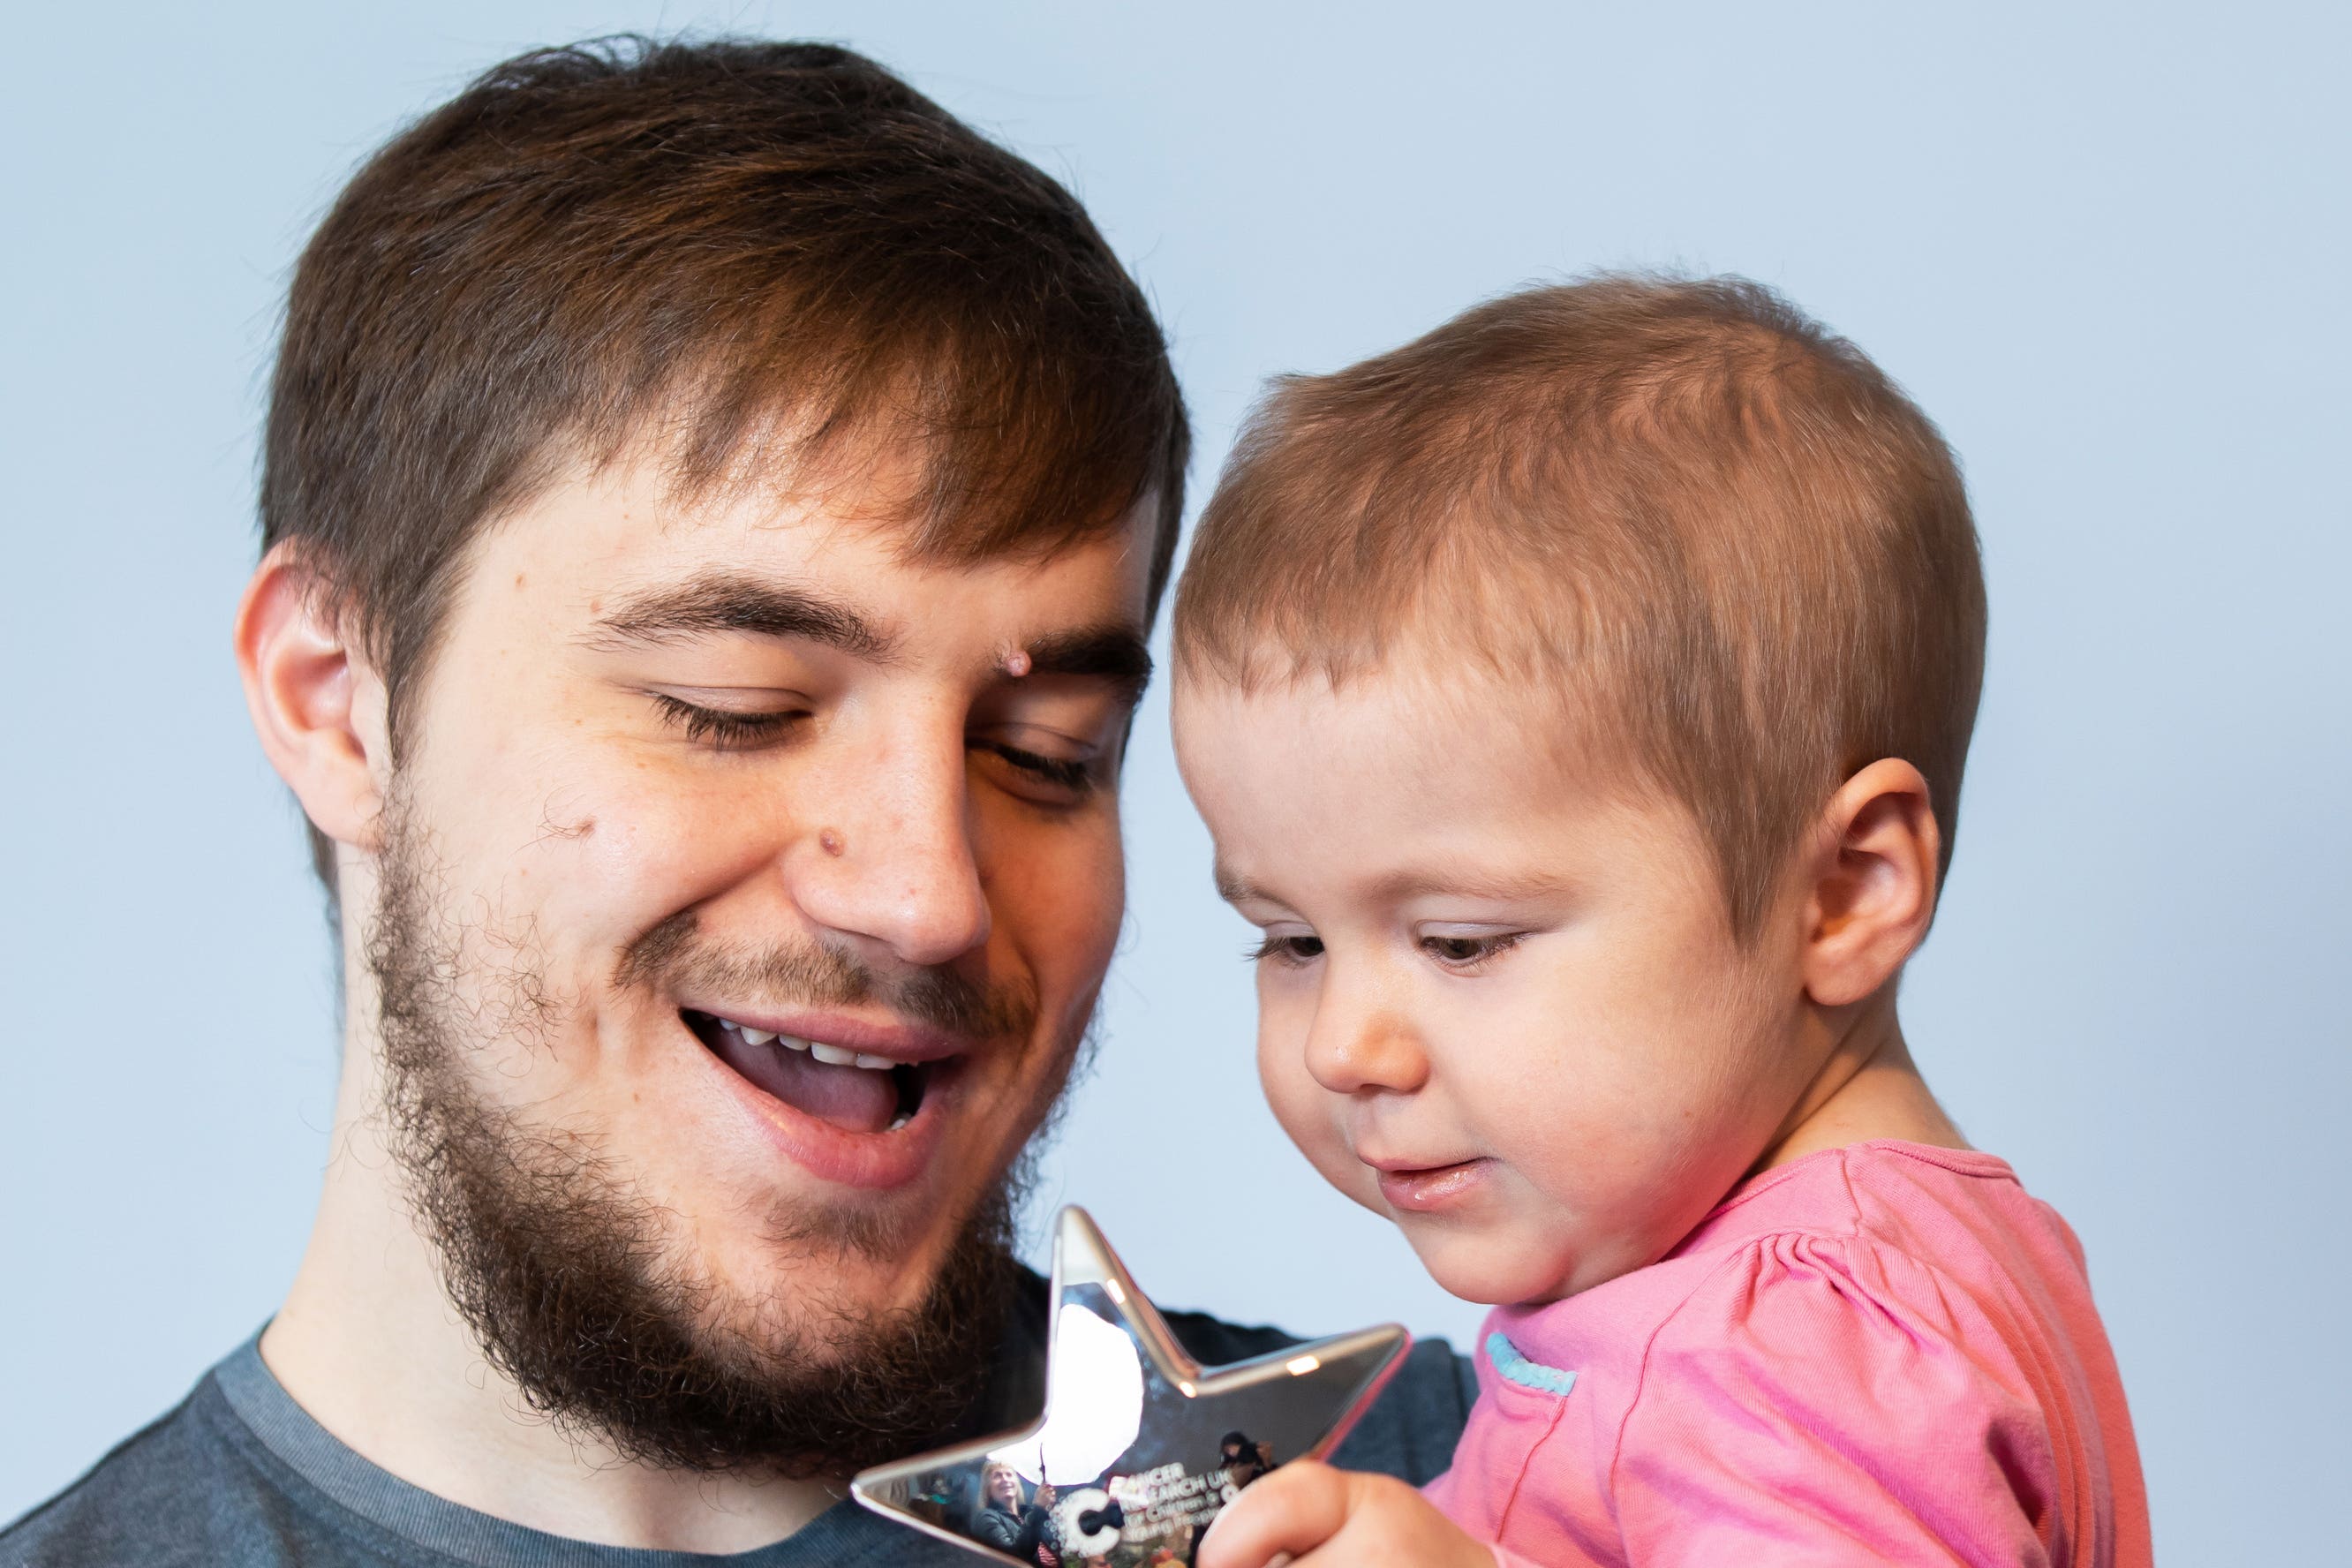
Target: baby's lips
[(1426, 1189)]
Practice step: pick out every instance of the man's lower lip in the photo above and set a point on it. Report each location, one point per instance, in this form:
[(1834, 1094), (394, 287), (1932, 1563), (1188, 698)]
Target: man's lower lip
[(892, 1158), (1433, 1187)]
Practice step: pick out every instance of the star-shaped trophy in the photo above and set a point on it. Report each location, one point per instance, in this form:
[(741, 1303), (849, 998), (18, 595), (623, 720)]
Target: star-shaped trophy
[(1139, 1448)]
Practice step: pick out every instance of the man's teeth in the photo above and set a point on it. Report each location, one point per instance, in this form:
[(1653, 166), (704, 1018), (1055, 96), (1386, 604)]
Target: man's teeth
[(834, 1056)]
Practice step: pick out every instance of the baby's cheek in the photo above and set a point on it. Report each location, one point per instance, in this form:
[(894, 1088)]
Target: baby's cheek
[(1309, 1113), (1290, 1091)]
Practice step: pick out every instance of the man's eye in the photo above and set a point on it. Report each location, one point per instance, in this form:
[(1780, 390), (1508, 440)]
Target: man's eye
[(726, 730), (1287, 949), (1468, 951), (1064, 773)]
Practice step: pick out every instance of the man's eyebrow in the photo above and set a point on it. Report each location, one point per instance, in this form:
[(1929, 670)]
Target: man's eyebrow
[(731, 602), (1115, 654)]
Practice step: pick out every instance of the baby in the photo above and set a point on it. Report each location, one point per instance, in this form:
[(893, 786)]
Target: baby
[(1577, 698)]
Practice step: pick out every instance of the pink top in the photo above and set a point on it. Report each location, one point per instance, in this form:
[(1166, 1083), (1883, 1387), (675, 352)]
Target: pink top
[(1881, 1353)]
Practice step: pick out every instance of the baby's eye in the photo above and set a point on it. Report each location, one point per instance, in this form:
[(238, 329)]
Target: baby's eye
[(1289, 950), (1468, 951)]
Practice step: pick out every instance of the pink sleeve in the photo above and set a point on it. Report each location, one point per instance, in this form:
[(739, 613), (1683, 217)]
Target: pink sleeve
[(1824, 1401)]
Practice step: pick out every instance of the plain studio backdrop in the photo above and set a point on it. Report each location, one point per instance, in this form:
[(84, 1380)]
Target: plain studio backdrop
[(2105, 248)]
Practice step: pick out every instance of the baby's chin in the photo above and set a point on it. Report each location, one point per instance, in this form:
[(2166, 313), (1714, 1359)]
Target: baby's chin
[(1507, 1267), (1490, 1267)]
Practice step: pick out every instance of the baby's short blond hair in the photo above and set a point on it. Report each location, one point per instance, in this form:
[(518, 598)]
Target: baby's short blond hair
[(1682, 501)]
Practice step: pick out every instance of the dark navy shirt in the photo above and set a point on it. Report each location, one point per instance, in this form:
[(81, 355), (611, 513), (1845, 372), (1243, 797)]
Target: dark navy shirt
[(238, 1474)]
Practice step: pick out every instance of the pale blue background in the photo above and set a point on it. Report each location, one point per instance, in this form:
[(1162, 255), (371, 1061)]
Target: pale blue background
[(2107, 247)]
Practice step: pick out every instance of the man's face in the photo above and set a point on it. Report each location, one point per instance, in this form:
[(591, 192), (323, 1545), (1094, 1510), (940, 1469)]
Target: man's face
[(762, 878)]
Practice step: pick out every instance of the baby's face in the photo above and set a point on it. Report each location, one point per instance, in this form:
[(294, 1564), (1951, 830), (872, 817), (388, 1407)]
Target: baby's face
[(1498, 996)]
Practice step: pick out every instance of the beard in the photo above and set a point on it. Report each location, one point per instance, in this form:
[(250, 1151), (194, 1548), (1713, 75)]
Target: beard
[(584, 1291)]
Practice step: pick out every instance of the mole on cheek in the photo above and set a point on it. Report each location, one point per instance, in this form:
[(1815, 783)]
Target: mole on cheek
[(550, 829)]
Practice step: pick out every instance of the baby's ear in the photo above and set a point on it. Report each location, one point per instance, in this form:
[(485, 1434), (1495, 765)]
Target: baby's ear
[(1873, 876)]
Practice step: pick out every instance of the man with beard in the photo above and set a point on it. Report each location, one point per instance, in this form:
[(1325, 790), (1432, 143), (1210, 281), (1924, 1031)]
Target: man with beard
[(714, 504)]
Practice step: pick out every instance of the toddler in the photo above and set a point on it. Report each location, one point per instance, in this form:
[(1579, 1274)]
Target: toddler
[(1577, 698)]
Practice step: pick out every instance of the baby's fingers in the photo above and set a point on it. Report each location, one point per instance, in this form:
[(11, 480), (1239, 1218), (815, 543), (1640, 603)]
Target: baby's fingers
[(1290, 1511)]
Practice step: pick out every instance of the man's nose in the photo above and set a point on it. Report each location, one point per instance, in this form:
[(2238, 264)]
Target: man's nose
[(1361, 1042), (884, 855)]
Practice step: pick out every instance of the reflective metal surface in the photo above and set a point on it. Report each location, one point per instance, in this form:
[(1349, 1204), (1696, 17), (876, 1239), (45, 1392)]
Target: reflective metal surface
[(1139, 1448)]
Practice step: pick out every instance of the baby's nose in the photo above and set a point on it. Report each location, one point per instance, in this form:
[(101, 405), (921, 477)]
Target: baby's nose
[(1375, 1052)]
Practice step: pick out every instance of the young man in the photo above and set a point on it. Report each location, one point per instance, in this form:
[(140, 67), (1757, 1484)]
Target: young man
[(714, 506)]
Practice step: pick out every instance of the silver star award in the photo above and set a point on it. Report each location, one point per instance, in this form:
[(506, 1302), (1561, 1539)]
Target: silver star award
[(1139, 1448)]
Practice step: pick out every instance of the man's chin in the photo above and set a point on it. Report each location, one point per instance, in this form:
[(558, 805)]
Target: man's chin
[(824, 1325), (863, 1257), (864, 1331)]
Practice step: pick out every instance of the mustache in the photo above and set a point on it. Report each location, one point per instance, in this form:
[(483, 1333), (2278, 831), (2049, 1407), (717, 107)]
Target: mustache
[(675, 955)]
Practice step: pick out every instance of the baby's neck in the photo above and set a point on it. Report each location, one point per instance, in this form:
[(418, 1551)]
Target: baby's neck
[(1867, 1087)]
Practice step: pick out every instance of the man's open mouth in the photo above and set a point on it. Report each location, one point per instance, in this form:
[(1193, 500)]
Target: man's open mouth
[(856, 1091)]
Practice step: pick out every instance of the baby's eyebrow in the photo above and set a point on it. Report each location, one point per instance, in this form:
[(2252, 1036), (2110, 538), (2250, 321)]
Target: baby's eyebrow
[(1504, 886), (1233, 887), (1414, 882)]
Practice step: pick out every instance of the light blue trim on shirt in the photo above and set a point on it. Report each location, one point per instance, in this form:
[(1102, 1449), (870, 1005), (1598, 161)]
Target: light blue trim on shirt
[(1516, 1368)]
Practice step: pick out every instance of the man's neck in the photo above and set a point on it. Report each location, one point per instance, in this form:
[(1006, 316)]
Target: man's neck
[(368, 1345)]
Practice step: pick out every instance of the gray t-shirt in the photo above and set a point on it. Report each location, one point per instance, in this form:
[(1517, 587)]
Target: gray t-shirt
[(239, 1474)]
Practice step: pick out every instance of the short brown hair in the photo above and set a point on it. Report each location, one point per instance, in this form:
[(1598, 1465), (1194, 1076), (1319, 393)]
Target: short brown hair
[(1688, 496), (722, 243)]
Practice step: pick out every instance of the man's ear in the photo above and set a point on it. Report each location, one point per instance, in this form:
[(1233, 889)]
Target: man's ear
[(1873, 883), (317, 704)]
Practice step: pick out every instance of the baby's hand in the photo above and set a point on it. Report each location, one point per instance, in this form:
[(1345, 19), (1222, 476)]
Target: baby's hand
[(1317, 1517)]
